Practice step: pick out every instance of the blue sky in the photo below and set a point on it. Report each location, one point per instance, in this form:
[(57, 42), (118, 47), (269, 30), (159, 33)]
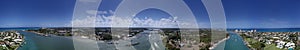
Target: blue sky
[(239, 13)]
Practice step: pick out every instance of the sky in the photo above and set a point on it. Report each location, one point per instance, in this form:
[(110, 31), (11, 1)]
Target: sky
[(239, 14)]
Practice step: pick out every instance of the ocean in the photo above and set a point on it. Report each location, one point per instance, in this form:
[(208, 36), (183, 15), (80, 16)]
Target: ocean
[(270, 29)]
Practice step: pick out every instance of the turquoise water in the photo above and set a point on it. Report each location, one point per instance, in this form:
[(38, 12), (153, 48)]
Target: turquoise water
[(37, 42), (235, 42)]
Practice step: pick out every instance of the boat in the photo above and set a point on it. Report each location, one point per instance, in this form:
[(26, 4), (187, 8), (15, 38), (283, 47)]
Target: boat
[(135, 43), (111, 42), (46, 35)]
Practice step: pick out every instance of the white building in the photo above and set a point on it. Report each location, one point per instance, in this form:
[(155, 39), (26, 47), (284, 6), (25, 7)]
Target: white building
[(280, 44), (290, 45), (268, 42)]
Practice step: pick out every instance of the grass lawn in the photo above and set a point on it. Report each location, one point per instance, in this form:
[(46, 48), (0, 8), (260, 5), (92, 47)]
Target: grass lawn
[(268, 46), (250, 40), (272, 47)]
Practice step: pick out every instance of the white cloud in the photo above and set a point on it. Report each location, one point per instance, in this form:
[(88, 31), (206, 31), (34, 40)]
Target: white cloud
[(91, 11), (89, 21), (99, 12), (102, 20), (149, 22), (111, 12)]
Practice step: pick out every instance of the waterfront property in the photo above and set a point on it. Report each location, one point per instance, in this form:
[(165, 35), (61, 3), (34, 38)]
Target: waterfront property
[(271, 40), (189, 39), (10, 40)]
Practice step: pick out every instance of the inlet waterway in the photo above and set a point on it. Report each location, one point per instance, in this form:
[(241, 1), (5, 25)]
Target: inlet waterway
[(235, 42)]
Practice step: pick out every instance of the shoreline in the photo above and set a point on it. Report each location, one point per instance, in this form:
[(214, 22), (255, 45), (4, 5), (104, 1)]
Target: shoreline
[(216, 44), (52, 35), (21, 45), (246, 43), (22, 42)]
